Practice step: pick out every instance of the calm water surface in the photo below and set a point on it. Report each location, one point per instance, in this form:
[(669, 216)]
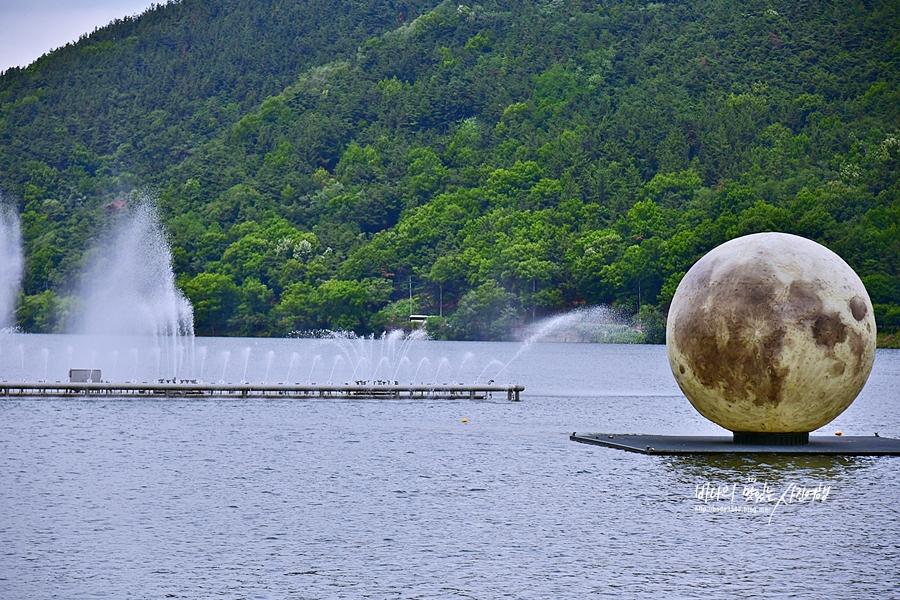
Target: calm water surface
[(122, 498)]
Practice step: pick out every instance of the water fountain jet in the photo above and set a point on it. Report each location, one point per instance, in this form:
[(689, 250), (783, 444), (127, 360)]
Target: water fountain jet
[(425, 361), (486, 367), (465, 359), (128, 289), (11, 263), (270, 355), (202, 362), (338, 358), (227, 355), (294, 357), (443, 362), (46, 353), (313, 367), (246, 362)]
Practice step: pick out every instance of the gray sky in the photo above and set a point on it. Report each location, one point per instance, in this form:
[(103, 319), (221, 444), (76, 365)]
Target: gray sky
[(31, 28)]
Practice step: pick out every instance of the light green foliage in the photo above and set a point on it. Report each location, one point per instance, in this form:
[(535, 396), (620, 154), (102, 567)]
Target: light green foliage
[(426, 174), (553, 88)]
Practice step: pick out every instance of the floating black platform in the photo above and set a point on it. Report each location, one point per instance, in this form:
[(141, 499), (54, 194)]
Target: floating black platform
[(847, 445), (192, 389)]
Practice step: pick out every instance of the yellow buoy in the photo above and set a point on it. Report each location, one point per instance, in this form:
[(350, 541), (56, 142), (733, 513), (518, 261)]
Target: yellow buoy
[(838, 433), (465, 420)]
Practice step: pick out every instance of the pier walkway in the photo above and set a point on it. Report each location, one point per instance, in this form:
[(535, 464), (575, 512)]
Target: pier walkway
[(191, 389)]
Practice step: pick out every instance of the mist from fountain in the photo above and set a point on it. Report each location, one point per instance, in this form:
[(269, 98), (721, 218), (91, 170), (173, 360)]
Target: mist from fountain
[(128, 288), (11, 263), (600, 324), (598, 319)]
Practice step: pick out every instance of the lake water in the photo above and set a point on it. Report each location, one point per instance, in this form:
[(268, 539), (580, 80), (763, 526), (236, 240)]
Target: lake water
[(207, 498)]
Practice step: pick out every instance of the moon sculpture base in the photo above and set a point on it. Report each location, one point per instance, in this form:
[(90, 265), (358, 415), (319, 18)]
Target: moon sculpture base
[(752, 438), (848, 445)]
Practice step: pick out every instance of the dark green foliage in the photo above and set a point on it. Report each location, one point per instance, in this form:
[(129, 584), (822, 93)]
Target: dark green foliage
[(510, 159), (653, 324)]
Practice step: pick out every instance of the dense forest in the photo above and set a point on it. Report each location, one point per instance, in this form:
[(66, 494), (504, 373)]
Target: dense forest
[(315, 162)]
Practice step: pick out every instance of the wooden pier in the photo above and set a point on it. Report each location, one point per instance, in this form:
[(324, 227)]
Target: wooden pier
[(191, 389)]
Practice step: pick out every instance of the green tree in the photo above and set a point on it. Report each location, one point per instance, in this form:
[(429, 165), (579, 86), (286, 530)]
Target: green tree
[(215, 298), (486, 313)]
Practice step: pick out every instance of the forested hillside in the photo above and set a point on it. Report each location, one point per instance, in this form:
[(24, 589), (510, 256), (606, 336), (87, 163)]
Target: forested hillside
[(508, 160)]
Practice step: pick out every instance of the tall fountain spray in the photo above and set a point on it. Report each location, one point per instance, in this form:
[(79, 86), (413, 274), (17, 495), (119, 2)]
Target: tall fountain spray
[(10, 263), (128, 288)]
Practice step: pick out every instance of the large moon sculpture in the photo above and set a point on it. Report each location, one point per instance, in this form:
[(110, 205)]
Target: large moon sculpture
[(771, 333)]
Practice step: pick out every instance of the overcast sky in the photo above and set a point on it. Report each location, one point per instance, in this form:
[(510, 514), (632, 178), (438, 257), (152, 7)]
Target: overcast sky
[(31, 28)]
